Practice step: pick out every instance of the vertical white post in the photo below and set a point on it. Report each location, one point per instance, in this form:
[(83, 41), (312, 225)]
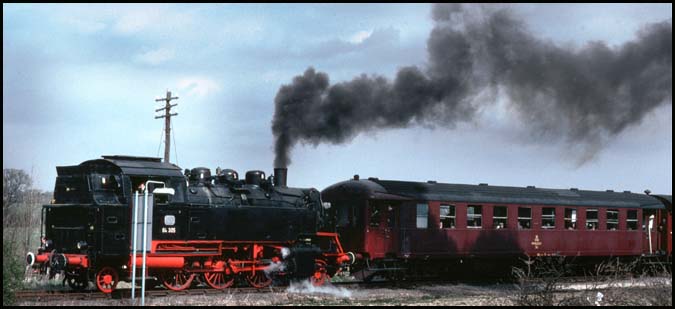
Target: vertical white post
[(145, 243), (134, 221), (145, 237)]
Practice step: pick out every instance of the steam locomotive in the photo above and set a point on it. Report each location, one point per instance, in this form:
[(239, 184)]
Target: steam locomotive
[(215, 229)]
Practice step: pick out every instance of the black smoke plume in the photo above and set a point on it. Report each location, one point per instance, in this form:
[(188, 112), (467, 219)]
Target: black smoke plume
[(584, 95)]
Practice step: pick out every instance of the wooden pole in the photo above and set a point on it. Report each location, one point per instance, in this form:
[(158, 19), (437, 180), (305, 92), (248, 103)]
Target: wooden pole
[(167, 122)]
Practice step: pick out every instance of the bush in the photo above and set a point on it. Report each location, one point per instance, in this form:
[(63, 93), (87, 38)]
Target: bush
[(12, 274), (543, 282)]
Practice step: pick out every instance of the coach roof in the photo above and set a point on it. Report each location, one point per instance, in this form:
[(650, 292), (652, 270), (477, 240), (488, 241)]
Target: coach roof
[(374, 188)]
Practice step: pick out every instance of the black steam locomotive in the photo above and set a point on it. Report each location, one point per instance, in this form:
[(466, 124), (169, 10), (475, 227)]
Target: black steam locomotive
[(216, 229)]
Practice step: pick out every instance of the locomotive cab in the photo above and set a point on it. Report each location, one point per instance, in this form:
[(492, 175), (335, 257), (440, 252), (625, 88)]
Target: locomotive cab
[(88, 221)]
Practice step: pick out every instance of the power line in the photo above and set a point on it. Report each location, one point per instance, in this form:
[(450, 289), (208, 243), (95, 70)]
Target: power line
[(175, 150), (161, 133)]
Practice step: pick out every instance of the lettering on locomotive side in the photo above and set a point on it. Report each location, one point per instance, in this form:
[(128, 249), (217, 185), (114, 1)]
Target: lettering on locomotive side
[(169, 230)]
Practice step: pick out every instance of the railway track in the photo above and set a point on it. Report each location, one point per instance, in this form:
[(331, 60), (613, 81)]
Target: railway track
[(59, 294), (43, 295), (126, 293)]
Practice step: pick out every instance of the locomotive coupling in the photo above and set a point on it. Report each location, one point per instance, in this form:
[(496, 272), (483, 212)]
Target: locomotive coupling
[(350, 258)]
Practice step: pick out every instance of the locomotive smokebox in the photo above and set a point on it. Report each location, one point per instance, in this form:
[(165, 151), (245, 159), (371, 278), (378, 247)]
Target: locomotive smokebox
[(280, 174)]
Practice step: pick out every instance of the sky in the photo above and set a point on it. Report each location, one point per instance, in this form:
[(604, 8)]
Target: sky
[(80, 81)]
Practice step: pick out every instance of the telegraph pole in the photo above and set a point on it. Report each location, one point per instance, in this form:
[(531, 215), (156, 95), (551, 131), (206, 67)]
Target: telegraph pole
[(167, 122)]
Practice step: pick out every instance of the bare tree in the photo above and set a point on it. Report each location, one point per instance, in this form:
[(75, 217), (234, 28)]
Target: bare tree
[(21, 211), (14, 183)]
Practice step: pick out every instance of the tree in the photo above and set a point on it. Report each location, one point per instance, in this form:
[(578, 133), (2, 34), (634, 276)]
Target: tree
[(14, 183)]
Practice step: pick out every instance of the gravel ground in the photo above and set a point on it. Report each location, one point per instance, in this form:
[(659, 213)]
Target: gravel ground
[(307, 295), (421, 295)]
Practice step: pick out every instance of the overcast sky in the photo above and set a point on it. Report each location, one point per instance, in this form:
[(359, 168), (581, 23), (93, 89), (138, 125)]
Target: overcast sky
[(79, 81)]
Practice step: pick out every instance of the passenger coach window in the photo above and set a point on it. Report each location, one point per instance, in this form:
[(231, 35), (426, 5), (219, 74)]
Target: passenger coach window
[(474, 216), (591, 219), (612, 220), (524, 218), (570, 219), (632, 222), (499, 217), (447, 216), (375, 215), (391, 216), (548, 218), (422, 216)]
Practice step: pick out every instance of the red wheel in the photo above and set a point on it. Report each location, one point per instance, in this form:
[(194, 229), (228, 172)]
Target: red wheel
[(320, 276), (107, 279), (220, 280), (177, 280), (258, 279)]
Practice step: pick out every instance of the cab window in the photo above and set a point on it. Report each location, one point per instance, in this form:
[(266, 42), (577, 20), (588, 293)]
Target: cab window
[(106, 182)]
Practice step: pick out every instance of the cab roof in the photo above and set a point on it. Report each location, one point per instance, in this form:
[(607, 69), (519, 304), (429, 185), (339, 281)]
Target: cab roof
[(146, 166)]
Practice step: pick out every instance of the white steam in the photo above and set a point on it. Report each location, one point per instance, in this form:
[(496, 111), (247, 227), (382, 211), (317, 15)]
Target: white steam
[(306, 287), (275, 267)]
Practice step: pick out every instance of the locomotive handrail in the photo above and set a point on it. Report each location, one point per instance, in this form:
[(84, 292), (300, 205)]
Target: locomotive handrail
[(135, 228), (169, 191), (145, 236)]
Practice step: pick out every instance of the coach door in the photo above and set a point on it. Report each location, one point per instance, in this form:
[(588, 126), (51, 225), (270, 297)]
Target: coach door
[(382, 228)]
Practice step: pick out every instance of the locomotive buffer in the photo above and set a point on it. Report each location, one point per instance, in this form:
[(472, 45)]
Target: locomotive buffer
[(167, 122)]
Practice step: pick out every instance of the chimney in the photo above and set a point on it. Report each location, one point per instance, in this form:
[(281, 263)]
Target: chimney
[(280, 174)]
